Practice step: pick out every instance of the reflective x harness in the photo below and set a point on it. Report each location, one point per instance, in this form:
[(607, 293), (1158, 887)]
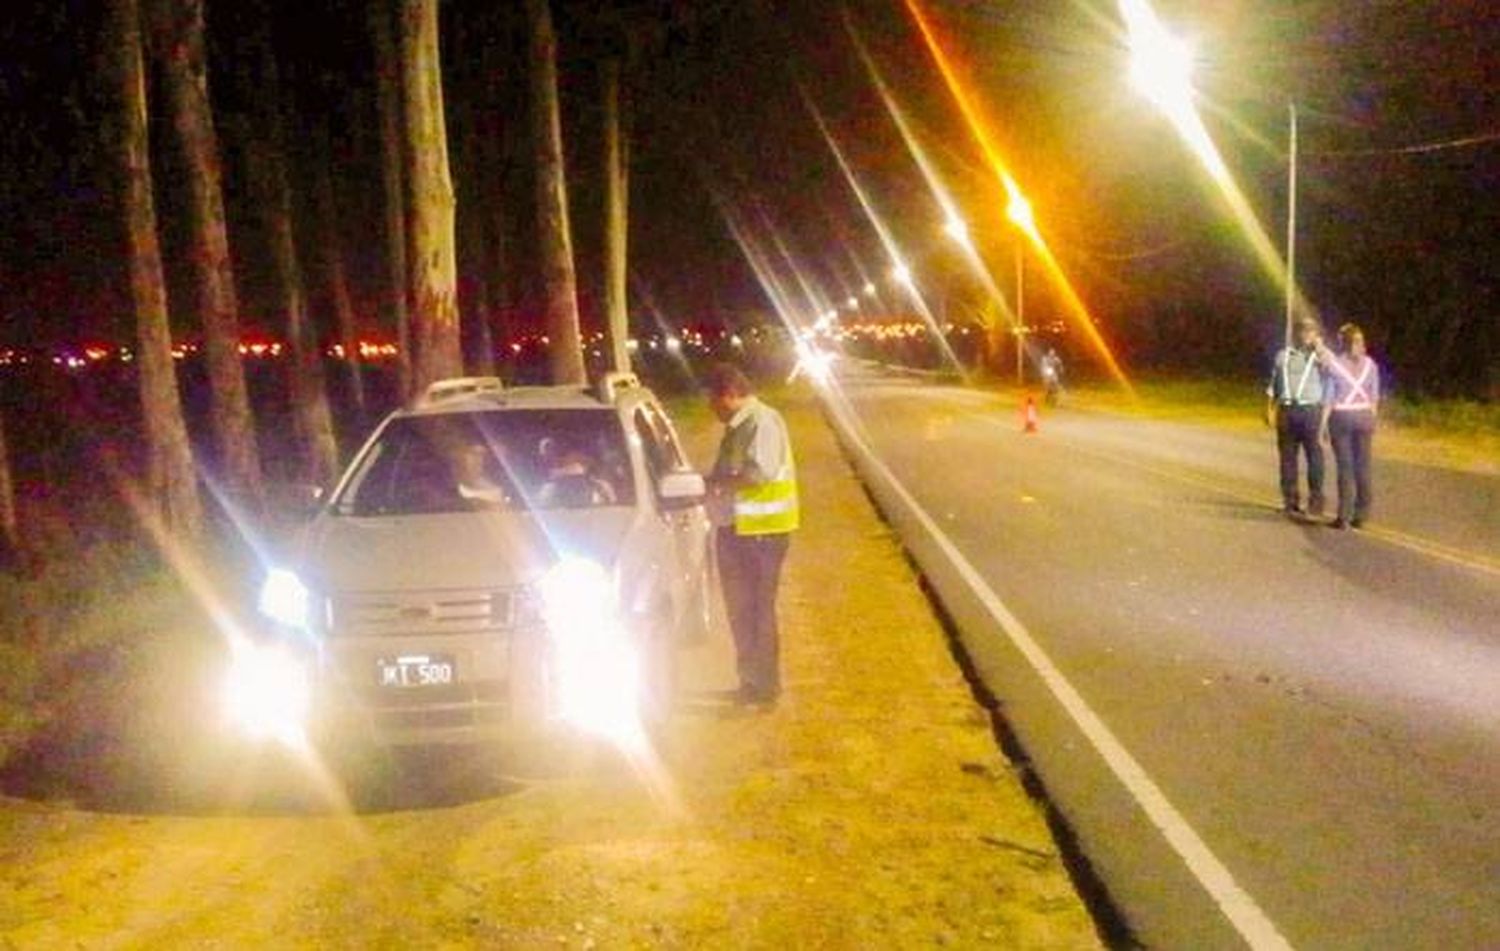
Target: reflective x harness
[(1357, 398)]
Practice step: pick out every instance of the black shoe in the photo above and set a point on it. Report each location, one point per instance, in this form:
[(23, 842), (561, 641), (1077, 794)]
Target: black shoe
[(1339, 523), (1357, 522), (1293, 510)]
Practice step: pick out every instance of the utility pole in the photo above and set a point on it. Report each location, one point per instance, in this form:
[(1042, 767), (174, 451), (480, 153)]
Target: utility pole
[(1020, 313), (1291, 223)]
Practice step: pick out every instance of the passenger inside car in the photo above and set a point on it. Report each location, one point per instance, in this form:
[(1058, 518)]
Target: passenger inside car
[(571, 481)]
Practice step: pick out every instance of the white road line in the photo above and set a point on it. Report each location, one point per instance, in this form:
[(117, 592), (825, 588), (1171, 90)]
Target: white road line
[(1234, 902)]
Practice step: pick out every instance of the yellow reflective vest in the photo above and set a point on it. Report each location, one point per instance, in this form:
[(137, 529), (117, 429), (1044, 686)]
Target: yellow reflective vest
[(770, 507)]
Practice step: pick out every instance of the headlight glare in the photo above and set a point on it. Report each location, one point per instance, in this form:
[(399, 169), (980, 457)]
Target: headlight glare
[(267, 693), (597, 670), (284, 599)]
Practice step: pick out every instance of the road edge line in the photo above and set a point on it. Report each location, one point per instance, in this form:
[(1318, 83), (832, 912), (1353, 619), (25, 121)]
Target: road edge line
[(1238, 907)]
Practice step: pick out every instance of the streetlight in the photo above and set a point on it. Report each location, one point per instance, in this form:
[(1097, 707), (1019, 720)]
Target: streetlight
[(1161, 69), (955, 228)]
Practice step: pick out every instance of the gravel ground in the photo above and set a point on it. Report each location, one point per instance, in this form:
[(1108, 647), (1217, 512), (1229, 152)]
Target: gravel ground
[(871, 808)]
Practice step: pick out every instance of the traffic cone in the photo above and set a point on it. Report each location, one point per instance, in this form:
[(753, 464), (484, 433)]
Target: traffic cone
[(1029, 418)]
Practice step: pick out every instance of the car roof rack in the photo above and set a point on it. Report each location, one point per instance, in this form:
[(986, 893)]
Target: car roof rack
[(610, 385), (458, 387)]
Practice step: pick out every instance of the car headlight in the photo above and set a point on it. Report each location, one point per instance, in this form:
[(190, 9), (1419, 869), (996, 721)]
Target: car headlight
[(597, 671), (284, 599), (577, 598), (267, 693)]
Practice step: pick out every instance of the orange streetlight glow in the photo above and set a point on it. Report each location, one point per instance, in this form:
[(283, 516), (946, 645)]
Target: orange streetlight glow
[(977, 127)]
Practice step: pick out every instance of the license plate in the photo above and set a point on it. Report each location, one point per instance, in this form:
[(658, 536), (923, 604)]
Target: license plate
[(414, 670)]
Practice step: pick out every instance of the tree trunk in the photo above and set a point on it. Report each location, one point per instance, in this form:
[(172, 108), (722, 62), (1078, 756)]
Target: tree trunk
[(553, 235), (180, 48), (10, 525), (271, 181), (616, 217), (474, 296), (479, 342), (388, 96), (496, 154), (171, 491), (305, 379), (432, 279), (327, 212)]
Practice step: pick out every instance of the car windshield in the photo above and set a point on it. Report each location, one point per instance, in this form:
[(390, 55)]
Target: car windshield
[(512, 460)]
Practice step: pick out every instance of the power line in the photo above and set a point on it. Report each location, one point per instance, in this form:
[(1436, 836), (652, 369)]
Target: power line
[(1421, 148)]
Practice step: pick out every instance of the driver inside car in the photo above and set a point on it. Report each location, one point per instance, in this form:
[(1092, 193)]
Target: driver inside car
[(472, 482)]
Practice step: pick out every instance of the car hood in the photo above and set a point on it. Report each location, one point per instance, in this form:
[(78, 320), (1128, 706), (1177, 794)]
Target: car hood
[(464, 550)]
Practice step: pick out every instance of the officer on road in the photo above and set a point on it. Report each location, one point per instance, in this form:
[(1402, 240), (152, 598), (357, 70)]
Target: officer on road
[(1351, 400), (753, 503), (1295, 408)]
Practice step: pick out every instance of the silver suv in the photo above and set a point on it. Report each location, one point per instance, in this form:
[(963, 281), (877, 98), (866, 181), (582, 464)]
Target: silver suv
[(491, 556)]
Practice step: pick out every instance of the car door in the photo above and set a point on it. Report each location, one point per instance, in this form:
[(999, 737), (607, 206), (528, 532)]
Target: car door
[(688, 527)]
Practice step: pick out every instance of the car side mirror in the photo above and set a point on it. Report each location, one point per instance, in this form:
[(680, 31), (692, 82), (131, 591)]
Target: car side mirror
[(296, 501), (681, 490)]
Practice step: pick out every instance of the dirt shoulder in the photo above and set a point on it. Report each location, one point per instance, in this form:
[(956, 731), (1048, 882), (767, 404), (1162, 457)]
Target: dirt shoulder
[(869, 809)]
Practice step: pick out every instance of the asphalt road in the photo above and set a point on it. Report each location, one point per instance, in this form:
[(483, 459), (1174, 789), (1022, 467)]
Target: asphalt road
[(1318, 710)]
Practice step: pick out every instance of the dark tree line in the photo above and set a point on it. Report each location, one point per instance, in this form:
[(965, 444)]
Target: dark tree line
[(222, 118)]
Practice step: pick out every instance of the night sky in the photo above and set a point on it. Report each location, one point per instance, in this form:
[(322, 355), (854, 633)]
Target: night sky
[(1405, 243)]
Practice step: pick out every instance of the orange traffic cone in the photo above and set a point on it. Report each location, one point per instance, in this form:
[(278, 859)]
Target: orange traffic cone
[(1029, 418)]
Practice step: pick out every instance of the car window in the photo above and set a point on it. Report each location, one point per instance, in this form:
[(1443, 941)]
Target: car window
[(511, 460), (656, 455), (671, 448)]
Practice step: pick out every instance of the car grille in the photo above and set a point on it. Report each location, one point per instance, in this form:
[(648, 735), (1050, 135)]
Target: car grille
[(429, 612), (453, 706)]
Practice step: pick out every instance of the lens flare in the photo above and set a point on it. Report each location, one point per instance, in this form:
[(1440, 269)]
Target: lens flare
[(901, 272), (954, 224), (980, 131), (1161, 68)]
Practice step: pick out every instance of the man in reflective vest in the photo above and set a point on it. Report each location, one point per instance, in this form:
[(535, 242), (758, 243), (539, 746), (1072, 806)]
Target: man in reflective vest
[(1295, 408), (753, 503)]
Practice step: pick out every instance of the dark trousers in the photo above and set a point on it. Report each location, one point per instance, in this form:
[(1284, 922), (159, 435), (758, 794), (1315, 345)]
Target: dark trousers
[(750, 569), (1297, 431), (1352, 432)]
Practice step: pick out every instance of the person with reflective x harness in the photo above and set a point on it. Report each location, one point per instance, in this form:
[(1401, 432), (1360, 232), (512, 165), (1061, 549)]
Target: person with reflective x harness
[(753, 503), (1351, 400), (1294, 408)]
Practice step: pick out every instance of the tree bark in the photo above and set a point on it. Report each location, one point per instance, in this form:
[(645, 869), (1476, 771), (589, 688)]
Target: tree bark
[(496, 153), (393, 180), (553, 236), (180, 48), (10, 524), (476, 298), (432, 279), (327, 211), (271, 181), (616, 217), (305, 379), (474, 294), (171, 490)]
